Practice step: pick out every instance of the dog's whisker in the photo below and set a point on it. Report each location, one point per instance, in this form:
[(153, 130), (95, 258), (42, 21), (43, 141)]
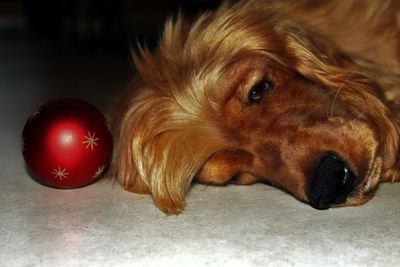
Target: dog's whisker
[(337, 94), (356, 118)]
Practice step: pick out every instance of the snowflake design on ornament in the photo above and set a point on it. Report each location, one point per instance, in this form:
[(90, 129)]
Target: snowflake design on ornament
[(90, 141), (60, 174), (99, 171), (35, 114)]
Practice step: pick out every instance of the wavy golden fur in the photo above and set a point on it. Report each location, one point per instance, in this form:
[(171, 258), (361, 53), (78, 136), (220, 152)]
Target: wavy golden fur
[(285, 92)]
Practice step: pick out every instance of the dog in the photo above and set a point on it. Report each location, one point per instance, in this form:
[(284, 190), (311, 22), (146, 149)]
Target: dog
[(302, 95)]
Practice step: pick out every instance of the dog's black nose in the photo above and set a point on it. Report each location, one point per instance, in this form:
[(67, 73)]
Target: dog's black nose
[(333, 181)]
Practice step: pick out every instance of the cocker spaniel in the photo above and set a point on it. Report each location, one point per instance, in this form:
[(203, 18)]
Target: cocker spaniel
[(300, 94)]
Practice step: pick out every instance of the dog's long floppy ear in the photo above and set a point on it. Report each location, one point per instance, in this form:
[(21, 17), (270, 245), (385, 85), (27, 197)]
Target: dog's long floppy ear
[(157, 153), (318, 61), (162, 137)]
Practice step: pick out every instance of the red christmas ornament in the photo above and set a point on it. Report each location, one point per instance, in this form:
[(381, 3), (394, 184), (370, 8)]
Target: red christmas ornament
[(66, 143)]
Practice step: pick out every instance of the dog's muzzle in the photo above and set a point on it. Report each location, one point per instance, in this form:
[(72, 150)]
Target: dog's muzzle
[(333, 181)]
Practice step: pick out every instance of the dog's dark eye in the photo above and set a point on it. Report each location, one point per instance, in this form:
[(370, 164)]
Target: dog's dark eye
[(258, 91)]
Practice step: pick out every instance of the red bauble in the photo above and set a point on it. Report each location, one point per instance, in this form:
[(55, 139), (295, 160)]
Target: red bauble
[(66, 143)]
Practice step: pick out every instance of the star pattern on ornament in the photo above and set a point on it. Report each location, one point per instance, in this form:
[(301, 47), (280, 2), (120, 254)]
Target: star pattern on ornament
[(90, 141), (99, 171), (23, 144), (108, 125), (60, 173), (35, 114)]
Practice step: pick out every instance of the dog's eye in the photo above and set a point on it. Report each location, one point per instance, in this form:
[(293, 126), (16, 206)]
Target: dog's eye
[(258, 90)]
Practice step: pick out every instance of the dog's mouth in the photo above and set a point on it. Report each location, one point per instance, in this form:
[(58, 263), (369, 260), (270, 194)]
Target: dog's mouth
[(366, 188)]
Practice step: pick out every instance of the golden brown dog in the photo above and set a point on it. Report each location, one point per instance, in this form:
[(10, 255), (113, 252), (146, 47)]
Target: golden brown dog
[(301, 94)]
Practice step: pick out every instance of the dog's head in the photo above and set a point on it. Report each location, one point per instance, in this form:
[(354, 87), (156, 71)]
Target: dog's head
[(243, 94)]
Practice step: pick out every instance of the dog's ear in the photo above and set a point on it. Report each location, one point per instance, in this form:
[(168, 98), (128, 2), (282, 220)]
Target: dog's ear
[(320, 62), (159, 147), (123, 126), (313, 56)]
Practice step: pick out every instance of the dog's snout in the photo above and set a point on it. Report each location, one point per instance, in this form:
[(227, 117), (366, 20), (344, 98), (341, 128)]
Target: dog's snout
[(332, 182)]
